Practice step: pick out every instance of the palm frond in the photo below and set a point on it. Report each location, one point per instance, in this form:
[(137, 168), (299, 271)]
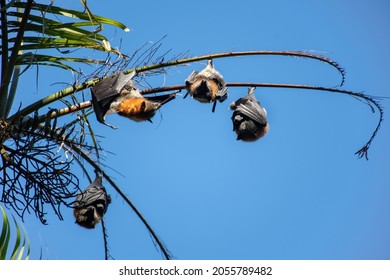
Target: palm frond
[(43, 29), (21, 248), (56, 28)]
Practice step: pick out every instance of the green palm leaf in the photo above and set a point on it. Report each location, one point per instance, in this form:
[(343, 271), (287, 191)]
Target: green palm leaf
[(58, 33), (22, 242), (41, 30), (86, 16)]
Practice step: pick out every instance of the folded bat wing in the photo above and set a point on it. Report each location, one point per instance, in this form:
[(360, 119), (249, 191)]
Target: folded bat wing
[(94, 194), (105, 92), (254, 111)]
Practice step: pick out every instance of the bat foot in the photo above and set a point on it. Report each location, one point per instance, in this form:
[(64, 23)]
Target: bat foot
[(215, 104), (110, 125)]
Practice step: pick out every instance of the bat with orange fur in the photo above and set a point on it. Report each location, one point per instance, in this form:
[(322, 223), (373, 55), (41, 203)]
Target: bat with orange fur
[(118, 94), (207, 85)]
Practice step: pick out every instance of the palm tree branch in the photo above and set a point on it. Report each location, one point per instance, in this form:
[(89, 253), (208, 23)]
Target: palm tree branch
[(52, 27), (246, 53), (369, 100), (6, 77), (74, 14), (4, 40), (79, 87), (126, 199)]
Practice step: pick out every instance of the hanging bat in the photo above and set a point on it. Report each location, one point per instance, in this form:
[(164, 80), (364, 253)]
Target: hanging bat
[(118, 94), (207, 85), (249, 117), (91, 204)]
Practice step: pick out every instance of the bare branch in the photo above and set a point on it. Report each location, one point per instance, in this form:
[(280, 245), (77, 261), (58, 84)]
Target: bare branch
[(160, 243), (79, 87)]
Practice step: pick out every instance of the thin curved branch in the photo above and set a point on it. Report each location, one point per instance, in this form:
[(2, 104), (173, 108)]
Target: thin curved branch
[(79, 87), (77, 150), (52, 98), (370, 101), (106, 251), (66, 110), (245, 53), (159, 242)]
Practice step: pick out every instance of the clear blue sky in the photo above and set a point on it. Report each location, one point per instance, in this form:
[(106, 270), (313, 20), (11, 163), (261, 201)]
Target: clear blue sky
[(299, 192)]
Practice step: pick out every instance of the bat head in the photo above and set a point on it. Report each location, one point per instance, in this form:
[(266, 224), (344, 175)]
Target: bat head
[(246, 129), (87, 217)]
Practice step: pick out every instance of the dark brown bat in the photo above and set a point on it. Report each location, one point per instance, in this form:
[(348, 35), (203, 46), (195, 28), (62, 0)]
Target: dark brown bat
[(249, 117), (118, 94), (91, 204), (207, 85)]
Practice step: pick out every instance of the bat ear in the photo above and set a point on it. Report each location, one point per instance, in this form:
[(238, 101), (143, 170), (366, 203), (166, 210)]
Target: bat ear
[(143, 106), (191, 78), (110, 125)]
